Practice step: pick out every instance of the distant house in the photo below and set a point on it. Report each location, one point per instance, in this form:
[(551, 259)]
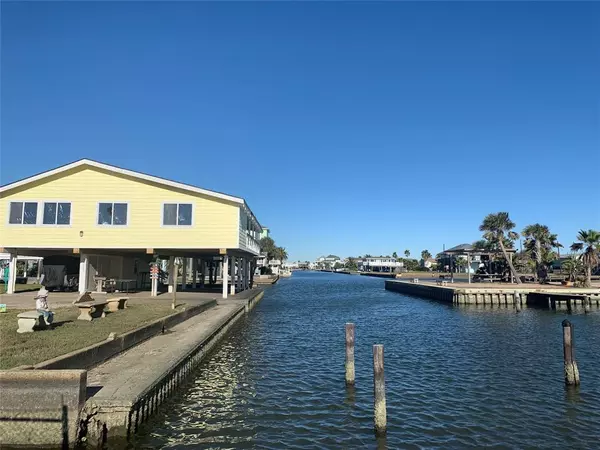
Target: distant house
[(430, 263), (265, 232), (326, 262), (380, 264)]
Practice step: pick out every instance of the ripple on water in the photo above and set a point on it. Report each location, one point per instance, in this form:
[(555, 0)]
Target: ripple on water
[(455, 377)]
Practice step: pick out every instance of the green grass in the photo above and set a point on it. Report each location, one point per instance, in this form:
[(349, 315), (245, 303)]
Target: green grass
[(68, 333), (21, 288)]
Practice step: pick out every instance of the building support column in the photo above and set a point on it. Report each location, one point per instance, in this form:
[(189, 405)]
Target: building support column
[(239, 278), (202, 272), (184, 267), (172, 276), (248, 272), (40, 266), (194, 272), (225, 277), (233, 280), (12, 274), (242, 272), (84, 264)]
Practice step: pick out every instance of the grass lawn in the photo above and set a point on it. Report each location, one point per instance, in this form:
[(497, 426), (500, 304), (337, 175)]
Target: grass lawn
[(21, 288), (68, 333)]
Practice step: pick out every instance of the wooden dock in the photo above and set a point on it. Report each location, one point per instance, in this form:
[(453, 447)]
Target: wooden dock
[(501, 294)]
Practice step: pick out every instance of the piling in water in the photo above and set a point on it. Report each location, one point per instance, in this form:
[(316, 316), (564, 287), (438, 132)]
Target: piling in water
[(587, 304), (517, 301), (571, 370), (350, 354), (380, 414)]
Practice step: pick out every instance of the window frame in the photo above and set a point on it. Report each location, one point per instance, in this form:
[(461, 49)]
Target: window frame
[(162, 214), (37, 213), (112, 202), (60, 225)]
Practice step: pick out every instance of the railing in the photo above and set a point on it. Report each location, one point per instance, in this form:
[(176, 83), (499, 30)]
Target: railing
[(252, 244)]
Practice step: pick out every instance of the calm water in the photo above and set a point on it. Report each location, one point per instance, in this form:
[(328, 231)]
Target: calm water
[(455, 377)]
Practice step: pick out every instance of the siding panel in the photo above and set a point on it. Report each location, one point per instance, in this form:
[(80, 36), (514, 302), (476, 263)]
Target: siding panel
[(215, 222)]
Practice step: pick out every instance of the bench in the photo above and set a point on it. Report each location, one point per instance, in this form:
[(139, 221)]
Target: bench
[(28, 319), (116, 303), (442, 282), (86, 309)]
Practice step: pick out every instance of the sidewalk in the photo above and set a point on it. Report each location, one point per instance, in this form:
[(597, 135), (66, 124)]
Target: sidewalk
[(124, 391), (25, 300)]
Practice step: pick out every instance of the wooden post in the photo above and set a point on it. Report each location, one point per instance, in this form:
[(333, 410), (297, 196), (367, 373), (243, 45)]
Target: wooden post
[(571, 370), (350, 376), (379, 409), (517, 300), (587, 304)]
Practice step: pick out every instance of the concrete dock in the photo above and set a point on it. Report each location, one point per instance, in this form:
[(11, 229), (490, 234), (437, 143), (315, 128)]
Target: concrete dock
[(494, 294), (127, 389)]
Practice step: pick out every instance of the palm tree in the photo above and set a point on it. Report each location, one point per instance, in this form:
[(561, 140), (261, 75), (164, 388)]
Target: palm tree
[(539, 243), (425, 255), (394, 255), (281, 254), (407, 253), (573, 266), (497, 229), (589, 245)]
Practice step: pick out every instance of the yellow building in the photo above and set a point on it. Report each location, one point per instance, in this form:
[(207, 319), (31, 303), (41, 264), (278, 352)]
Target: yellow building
[(117, 221)]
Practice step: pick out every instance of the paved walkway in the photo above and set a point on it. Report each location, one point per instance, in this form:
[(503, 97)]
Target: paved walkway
[(141, 365), (129, 374), (126, 389)]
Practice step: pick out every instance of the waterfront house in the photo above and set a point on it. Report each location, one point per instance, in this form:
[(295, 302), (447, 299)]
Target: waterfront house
[(114, 222), (380, 264), (327, 262)]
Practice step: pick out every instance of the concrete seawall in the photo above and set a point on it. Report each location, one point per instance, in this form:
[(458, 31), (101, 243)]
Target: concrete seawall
[(132, 386), (480, 295)]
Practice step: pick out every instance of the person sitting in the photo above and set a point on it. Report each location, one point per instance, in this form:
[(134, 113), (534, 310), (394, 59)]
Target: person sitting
[(41, 306)]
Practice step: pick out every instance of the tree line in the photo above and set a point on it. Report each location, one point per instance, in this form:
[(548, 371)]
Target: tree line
[(268, 247)]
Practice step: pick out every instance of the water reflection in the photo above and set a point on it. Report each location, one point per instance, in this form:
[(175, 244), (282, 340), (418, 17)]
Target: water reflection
[(456, 377)]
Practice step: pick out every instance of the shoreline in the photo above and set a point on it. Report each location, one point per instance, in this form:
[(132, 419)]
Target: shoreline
[(132, 390)]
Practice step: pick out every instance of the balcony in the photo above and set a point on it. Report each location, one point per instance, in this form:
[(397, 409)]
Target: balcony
[(252, 244)]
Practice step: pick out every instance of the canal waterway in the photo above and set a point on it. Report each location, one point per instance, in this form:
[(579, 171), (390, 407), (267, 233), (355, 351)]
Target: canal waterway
[(456, 377)]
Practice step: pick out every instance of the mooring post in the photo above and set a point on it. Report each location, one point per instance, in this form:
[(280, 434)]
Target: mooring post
[(350, 376), (587, 304), (571, 370), (379, 390), (517, 300)]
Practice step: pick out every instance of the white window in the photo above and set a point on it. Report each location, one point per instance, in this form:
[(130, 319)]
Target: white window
[(177, 214), (57, 213), (112, 214), (23, 213)]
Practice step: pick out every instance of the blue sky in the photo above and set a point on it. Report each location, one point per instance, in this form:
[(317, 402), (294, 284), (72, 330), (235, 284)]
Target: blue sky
[(350, 128)]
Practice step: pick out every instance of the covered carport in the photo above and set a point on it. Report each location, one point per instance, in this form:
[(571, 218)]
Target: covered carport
[(216, 270)]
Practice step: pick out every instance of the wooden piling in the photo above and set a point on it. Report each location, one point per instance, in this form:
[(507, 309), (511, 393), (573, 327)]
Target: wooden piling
[(350, 376), (587, 304), (379, 410), (571, 370), (517, 301)]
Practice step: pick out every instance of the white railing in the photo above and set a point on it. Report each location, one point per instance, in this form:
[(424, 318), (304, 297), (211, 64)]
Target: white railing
[(252, 244)]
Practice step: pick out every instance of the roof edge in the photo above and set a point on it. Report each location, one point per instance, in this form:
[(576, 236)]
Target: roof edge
[(122, 171)]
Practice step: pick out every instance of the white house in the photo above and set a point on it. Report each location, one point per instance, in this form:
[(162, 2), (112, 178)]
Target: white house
[(380, 264)]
